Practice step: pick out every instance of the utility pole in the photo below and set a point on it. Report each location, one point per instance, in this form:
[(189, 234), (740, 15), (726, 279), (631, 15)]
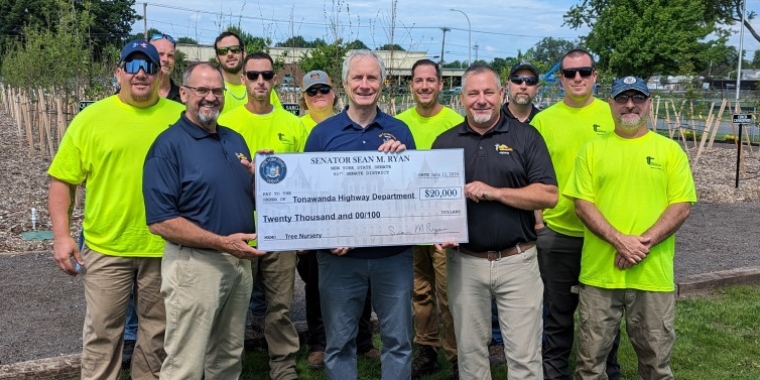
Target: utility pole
[(145, 19), (476, 52), (443, 43)]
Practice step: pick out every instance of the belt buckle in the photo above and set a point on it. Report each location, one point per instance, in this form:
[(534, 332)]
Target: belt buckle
[(494, 255)]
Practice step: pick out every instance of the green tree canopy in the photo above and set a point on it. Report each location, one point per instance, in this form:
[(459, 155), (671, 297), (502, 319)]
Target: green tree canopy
[(187, 40), (295, 41), (548, 51), (395, 47), (328, 58), (644, 37), (108, 22), (357, 44), (251, 43)]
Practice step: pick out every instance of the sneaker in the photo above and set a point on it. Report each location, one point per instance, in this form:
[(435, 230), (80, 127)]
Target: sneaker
[(454, 369), (372, 353), (425, 363), (496, 355), (126, 355), (316, 360)]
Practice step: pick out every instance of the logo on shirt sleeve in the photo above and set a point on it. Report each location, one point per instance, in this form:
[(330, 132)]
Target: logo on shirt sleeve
[(503, 149), (273, 170)]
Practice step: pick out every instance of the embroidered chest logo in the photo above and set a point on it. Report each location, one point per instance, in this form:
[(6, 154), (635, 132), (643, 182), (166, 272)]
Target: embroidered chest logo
[(598, 129), (503, 149), (283, 139), (387, 137), (653, 163)]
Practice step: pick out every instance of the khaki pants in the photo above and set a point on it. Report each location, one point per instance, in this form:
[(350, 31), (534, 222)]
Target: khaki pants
[(649, 320), (515, 283), (206, 294), (278, 271), (429, 292), (107, 286)]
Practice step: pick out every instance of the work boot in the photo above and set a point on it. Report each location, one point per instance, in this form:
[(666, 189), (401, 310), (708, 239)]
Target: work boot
[(425, 363)]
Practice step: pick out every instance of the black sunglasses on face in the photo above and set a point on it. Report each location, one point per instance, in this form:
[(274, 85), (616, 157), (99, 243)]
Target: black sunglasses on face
[(254, 75), (324, 90), (529, 81), (637, 98), (585, 72), (226, 49)]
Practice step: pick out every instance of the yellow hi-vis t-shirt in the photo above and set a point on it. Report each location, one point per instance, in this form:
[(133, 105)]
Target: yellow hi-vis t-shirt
[(631, 182), (308, 123), (565, 130), (426, 129), (236, 95), (106, 145), (278, 130)]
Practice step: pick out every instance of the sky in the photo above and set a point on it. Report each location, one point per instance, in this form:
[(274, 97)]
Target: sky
[(499, 28)]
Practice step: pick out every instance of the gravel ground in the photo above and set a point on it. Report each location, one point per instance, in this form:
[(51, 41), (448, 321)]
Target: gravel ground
[(43, 308)]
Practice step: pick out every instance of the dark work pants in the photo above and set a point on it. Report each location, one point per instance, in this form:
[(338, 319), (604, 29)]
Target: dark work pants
[(559, 259), (308, 270)]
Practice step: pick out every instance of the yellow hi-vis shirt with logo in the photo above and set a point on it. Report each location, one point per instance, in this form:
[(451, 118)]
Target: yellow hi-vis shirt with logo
[(631, 182), (105, 145), (278, 130), (565, 130)]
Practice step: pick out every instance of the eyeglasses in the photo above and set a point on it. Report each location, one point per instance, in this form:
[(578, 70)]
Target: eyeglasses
[(203, 91), (227, 49), (585, 72), (159, 36), (254, 75), (324, 90), (134, 65), (529, 81), (637, 98)]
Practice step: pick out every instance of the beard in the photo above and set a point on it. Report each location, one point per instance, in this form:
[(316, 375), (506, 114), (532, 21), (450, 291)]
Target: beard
[(631, 124), (233, 70), (208, 119), (482, 118), (522, 99)]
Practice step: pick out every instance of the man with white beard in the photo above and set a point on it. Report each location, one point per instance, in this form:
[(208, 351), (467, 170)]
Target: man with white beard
[(199, 198), (627, 256)]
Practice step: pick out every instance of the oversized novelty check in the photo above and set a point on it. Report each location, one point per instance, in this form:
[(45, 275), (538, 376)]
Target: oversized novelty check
[(360, 199)]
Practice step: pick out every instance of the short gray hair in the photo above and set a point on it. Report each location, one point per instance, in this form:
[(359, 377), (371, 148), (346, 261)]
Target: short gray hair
[(479, 69), (363, 53)]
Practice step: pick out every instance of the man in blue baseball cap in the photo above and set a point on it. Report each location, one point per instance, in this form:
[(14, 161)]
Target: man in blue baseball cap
[(105, 148), (627, 254)]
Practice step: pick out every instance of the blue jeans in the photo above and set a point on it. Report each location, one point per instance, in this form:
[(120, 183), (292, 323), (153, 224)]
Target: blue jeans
[(343, 284), (495, 329)]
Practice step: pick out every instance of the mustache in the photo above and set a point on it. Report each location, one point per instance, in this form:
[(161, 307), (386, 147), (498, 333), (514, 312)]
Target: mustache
[(205, 103)]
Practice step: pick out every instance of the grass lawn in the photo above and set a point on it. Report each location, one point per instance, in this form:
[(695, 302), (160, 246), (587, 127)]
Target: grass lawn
[(717, 337)]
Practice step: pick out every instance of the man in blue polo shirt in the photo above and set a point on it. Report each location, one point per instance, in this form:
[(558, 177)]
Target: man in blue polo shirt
[(199, 198), (346, 273)]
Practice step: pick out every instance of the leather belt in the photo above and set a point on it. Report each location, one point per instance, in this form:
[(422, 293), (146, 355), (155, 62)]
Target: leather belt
[(496, 255)]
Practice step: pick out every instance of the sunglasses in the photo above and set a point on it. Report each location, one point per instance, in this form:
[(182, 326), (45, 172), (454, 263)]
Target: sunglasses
[(585, 72), (159, 36), (134, 65), (254, 75), (637, 98), (227, 49), (324, 90), (529, 81), (203, 91)]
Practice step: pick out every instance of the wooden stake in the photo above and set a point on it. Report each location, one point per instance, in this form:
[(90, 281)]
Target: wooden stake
[(718, 119)]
